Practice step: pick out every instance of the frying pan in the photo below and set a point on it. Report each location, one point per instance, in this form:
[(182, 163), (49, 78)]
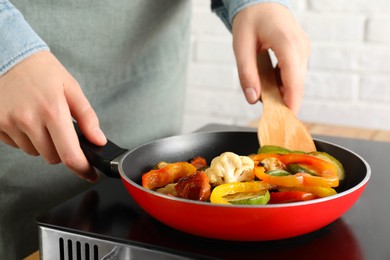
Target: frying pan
[(226, 222)]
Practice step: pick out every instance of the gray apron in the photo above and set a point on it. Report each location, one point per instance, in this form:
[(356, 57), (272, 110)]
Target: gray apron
[(130, 58)]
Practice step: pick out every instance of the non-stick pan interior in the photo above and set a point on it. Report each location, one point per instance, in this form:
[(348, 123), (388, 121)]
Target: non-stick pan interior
[(210, 145)]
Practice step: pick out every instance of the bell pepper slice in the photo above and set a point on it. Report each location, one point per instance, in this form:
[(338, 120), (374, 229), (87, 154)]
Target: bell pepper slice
[(327, 172), (298, 167), (316, 190), (172, 172), (327, 157), (218, 194), (290, 196), (276, 150)]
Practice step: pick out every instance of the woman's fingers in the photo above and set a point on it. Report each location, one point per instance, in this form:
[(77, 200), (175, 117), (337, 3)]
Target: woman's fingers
[(85, 116), (271, 26), (245, 49)]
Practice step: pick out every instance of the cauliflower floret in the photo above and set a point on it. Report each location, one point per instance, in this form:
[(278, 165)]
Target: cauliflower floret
[(230, 167)]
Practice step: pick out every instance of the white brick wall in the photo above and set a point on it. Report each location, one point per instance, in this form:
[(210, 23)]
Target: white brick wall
[(348, 80)]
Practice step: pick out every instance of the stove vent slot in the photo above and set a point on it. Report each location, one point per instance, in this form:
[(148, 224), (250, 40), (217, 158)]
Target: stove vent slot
[(77, 251)]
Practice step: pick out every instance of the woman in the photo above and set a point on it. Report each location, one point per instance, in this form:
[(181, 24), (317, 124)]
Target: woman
[(115, 65)]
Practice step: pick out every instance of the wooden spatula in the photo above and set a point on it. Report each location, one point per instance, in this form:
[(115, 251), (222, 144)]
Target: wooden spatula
[(278, 125)]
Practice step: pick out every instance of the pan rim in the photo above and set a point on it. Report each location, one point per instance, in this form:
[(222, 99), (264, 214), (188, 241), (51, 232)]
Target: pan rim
[(358, 186)]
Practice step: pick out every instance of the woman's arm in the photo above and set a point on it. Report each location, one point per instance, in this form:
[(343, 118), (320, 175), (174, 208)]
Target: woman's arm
[(39, 98)]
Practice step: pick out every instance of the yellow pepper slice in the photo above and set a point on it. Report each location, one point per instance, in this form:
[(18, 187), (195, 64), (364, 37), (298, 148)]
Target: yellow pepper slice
[(295, 180), (218, 194)]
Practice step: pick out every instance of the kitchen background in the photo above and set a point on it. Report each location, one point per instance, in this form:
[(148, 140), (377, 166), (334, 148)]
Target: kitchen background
[(348, 81)]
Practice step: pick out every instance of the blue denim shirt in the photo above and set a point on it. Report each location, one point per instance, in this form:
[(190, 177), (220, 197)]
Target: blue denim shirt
[(18, 40), (227, 9)]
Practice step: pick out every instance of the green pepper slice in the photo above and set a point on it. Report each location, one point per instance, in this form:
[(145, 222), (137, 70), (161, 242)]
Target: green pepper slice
[(273, 149), (278, 172), (296, 167), (276, 150), (329, 158), (249, 198)]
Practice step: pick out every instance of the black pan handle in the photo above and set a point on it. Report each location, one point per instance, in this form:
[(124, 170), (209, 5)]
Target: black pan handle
[(101, 157)]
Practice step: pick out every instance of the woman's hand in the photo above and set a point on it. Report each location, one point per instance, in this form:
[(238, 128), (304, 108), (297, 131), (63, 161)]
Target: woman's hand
[(38, 98), (271, 26)]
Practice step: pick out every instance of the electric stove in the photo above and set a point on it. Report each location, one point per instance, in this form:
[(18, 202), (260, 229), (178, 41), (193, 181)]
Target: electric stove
[(105, 223)]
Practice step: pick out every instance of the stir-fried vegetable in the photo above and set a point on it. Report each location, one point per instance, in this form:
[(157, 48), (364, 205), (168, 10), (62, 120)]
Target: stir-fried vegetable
[(273, 175), (194, 187), (171, 172), (326, 173), (316, 190), (290, 196), (232, 193), (322, 174), (329, 158), (230, 167)]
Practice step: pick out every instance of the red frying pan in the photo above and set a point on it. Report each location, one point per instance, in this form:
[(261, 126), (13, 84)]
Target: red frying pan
[(226, 222)]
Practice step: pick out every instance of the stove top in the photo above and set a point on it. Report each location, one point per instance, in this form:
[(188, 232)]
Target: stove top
[(105, 222)]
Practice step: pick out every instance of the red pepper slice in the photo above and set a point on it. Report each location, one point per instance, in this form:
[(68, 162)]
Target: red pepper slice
[(167, 174), (327, 172), (290, 196)]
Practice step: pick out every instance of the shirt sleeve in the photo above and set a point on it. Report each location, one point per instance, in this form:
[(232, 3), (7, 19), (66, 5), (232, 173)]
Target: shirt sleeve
[(17, 39), (227, 9)]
